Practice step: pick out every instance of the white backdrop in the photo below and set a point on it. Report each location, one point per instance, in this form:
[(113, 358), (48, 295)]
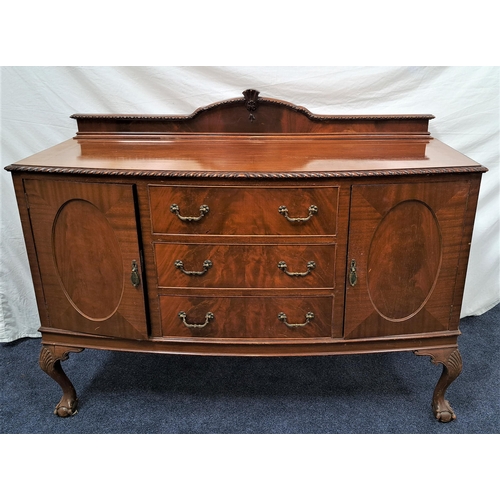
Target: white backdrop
[(37, 102)]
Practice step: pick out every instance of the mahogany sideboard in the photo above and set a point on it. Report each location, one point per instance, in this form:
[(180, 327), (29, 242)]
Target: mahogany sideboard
[(251, 227)]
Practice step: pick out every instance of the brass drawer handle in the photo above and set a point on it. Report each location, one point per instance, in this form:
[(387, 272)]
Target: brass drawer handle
[(206, 266), (204, 209), (134, 276), (282, 317), (208, 317), (313, 210), (310, 266)]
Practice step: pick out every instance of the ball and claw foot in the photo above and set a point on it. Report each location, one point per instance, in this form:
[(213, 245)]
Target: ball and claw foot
[(444, 413), (50, 362), (452, 367), (66, 407)]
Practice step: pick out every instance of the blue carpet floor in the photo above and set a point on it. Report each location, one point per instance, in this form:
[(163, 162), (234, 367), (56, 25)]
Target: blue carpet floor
[(125, 393)]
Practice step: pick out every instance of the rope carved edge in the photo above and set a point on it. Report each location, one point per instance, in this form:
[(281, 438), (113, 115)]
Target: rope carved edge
[(241, 175)]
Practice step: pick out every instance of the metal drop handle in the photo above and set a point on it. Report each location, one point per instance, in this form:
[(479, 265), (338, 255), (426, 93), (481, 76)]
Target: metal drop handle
[(282, 317), (204, 209), (353, 275), (134, 276), (206, 266), (208, 317), (310, 266), (313, 210)]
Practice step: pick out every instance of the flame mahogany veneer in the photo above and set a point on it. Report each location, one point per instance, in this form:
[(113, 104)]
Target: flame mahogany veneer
[(251, 227)]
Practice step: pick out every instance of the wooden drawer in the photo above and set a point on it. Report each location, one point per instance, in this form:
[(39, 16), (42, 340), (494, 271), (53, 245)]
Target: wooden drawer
[(246, 317), (245, 266), (244, 211)]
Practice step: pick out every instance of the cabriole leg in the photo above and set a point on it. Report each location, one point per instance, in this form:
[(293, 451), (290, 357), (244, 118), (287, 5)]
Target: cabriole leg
[(50, 362), (452, 367)]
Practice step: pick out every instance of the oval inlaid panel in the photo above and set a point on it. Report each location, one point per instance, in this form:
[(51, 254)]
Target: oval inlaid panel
[(88, 259), (404, 260)]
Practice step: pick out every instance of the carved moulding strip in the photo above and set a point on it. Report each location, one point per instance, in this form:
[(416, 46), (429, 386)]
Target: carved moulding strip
[(299, 109), (251, 99), (242, 175), (86, 116)]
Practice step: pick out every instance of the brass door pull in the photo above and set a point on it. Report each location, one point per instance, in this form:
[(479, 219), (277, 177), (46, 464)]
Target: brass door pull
[(353, 275), (206, 266), (134, 276), (313, 210), (208, 317), (282, 317), (204, 209), (310, 266)]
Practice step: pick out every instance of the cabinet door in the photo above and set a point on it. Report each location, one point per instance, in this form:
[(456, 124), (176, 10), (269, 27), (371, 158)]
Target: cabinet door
[(87, 246), (403, 257)]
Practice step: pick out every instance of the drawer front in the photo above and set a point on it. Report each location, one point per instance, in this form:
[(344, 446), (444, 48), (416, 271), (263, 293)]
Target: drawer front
[(245, 266), (244, 211), (246, 317)]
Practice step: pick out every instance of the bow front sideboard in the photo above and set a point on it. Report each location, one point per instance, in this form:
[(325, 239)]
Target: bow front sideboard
[(251, 227)]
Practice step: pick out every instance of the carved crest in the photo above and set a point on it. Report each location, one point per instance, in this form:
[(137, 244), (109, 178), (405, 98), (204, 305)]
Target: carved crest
[(251, 97)]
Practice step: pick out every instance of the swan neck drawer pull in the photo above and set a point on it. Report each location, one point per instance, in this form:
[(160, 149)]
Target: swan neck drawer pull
[(282, 317), (310, 266), (313, 210), (208, 317), (204, 209), (206, 266)]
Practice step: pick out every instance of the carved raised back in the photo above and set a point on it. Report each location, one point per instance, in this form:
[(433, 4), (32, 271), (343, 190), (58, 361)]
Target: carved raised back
[(252, 114)]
